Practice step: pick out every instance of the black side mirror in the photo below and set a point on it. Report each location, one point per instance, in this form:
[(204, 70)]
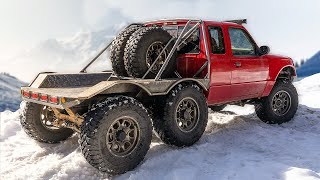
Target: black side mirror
[(264, 50)]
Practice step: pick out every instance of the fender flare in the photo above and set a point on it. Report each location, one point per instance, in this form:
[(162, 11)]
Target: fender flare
[(270, 83), (291, 67)]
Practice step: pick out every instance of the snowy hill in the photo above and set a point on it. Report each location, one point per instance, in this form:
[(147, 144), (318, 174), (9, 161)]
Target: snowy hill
[(310, 67), (63, 55), (9, 92), (236, 145)]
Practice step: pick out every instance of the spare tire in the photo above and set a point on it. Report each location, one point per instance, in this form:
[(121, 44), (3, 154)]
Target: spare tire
[(117, 50), (142, 49)]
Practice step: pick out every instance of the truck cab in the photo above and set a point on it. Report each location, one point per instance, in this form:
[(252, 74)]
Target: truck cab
[(239, 68)]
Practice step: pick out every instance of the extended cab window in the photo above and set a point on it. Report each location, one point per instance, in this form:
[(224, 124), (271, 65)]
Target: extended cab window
[(216, 40), (241, 44), (193, 42)]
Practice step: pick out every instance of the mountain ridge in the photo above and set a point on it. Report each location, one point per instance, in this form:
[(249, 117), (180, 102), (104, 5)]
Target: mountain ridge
[(310, 67), (64, 55), (10, 92)]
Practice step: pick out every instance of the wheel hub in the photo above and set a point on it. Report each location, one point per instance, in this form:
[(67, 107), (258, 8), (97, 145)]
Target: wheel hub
[(122, 136), (187, 114), (281, 103)]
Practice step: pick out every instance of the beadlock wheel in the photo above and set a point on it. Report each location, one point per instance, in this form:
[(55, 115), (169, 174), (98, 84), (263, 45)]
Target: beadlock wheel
[(122, 136), (281, 103), (187, 114)]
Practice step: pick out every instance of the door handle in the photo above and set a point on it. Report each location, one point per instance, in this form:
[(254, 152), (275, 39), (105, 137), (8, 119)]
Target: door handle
[(237, 64)]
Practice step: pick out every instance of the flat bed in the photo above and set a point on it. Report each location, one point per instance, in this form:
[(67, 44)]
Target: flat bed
[(72, 89)]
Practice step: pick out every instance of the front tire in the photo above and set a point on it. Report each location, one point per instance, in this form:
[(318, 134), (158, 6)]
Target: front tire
[(116, 135), (36, 120), (281, 104), (182, 117)]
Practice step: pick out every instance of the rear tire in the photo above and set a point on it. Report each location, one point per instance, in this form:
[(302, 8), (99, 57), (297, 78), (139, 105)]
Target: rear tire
[(117, 50), (281, 104), (32, 123), (182, 117), (116, 134), (142, 49)]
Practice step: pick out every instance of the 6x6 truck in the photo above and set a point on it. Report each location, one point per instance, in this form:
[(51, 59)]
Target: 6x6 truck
[(166, 73)]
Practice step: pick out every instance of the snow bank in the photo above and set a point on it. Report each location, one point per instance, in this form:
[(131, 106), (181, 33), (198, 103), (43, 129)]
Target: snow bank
[(309, 91), (236, 145)]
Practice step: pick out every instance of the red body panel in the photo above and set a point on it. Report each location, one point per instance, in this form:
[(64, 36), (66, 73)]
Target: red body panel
[(253, 79)]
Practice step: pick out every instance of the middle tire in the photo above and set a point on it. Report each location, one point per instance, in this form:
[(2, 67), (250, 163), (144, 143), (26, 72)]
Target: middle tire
[(182, 118), (142, 49)]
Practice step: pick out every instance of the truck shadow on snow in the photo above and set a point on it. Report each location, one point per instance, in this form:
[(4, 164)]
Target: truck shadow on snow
[(241, 147)]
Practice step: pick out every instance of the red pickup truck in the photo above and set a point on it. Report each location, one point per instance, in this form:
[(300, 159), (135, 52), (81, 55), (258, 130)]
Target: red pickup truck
[(166, 74)]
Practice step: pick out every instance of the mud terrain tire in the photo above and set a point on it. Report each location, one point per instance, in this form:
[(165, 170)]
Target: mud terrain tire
[(31, 123), (281, 104), (105, 132), (143, 47), (117, 50), (173, 121)]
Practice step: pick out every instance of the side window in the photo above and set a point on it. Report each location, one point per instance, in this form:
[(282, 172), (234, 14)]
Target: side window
[(241, 44), (216, 40)]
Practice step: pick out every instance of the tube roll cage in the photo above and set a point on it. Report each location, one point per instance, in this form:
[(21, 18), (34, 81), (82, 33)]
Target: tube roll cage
[(183, 36)]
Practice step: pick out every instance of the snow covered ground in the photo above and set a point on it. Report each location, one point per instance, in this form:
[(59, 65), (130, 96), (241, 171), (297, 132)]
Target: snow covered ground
[(236, 145)]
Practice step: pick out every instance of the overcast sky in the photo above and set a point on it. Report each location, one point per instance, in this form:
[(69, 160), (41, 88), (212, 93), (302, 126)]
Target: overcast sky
[(289, 27)]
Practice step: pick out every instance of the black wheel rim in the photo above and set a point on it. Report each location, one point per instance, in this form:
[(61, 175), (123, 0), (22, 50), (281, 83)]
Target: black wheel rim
[(187, 114), (153, 52), (122, 136), (47, 118), (281, 103)]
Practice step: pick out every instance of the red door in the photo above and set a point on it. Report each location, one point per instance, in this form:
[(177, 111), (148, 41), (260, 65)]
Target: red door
[(249, 75), (220, 75), (220, 80), (249, 70)]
